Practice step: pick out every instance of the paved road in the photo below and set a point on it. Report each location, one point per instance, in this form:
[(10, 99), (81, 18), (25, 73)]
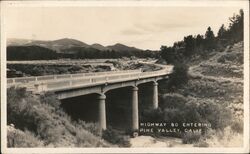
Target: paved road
[(56, 82)]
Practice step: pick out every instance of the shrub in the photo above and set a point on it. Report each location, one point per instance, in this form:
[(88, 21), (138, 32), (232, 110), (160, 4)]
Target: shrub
[(237, 126), (178, 77), (114, 137), (191, 137), (43, 117), (20, 107), (50, 98), (18, 138), (177, 108), (152, 115), (86, 139), (216, 114), (201, 143), (91, 127)]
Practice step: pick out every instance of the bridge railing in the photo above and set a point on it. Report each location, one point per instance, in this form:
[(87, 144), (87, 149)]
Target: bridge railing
[(55, 85), (64, 76), (48, 83)]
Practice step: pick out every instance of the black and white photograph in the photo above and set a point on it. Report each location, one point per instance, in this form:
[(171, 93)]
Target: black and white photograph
[(124, 76)]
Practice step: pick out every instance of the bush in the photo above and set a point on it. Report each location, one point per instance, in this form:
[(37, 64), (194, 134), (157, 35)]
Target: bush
[(189, 138), (179, 109), (43, 117), (20, 107), (152, 115), (179, 77), (86, 139), (91, 127), (201, 143), (216, 114), (18, 138), (114, 137), (50, 98), (237, 126)]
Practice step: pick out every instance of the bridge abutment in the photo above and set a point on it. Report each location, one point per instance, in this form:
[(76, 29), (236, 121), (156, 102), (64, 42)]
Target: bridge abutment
[(102, 111), (155, 95), (135, 112)]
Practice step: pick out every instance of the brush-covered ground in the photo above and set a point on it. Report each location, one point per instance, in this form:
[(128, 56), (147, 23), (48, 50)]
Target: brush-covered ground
[(39, 121), (212, 94), (53, 67)]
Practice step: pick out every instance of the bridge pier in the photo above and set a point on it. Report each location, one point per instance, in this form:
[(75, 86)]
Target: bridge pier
[(102, 111), (135, 116), (155, 95)]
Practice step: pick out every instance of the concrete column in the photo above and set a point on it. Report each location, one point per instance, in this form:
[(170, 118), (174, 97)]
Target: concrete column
[(102, 112), (135, 116), (155, 95)]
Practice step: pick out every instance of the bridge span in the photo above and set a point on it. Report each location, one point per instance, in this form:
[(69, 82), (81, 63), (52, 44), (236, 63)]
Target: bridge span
[(72, 85)]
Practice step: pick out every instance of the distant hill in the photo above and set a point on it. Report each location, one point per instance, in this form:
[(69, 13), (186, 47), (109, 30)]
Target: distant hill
[(67, 43), (24, 49), (30, 53), (100, 47), (121, 47), (59, 45), (17, 42)]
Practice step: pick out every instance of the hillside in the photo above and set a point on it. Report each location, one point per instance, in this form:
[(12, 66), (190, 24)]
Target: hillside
[(223, 74), (214, 94), (100, 47), (30, 53), (70, 48), (17, 42), (121, 48), (58, 45), (67, 43), (38, 121)]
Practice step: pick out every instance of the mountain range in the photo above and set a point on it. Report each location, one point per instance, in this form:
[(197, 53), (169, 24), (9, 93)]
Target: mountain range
[(66, 43)]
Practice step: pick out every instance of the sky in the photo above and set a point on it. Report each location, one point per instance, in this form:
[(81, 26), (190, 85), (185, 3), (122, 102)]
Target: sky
[(141, 27)]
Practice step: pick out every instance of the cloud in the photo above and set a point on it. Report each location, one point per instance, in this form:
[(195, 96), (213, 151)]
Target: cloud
[(157, 27), (132, 31)]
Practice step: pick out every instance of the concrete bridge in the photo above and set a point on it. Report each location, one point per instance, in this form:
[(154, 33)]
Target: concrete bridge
[(73, 85)]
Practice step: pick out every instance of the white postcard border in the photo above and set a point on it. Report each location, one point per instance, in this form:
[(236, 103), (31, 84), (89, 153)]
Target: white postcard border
[(160, 3)]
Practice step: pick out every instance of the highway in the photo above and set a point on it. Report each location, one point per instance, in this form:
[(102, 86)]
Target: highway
[(60, 82)]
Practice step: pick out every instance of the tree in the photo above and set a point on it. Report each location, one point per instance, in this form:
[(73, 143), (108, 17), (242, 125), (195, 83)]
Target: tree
[(179, 76), (221, 32), (199, 40), (209, 33), (209, 39), (235, 31), (189, 45), (168, 53)]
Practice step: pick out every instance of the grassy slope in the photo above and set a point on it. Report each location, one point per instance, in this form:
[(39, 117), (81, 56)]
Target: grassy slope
[(215, 90), (39, 121), (219, 80)]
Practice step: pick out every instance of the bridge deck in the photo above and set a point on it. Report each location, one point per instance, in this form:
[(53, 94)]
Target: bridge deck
[(60, 82)]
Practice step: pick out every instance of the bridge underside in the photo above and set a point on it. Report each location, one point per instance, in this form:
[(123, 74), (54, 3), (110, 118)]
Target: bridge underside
[(101, 89)]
